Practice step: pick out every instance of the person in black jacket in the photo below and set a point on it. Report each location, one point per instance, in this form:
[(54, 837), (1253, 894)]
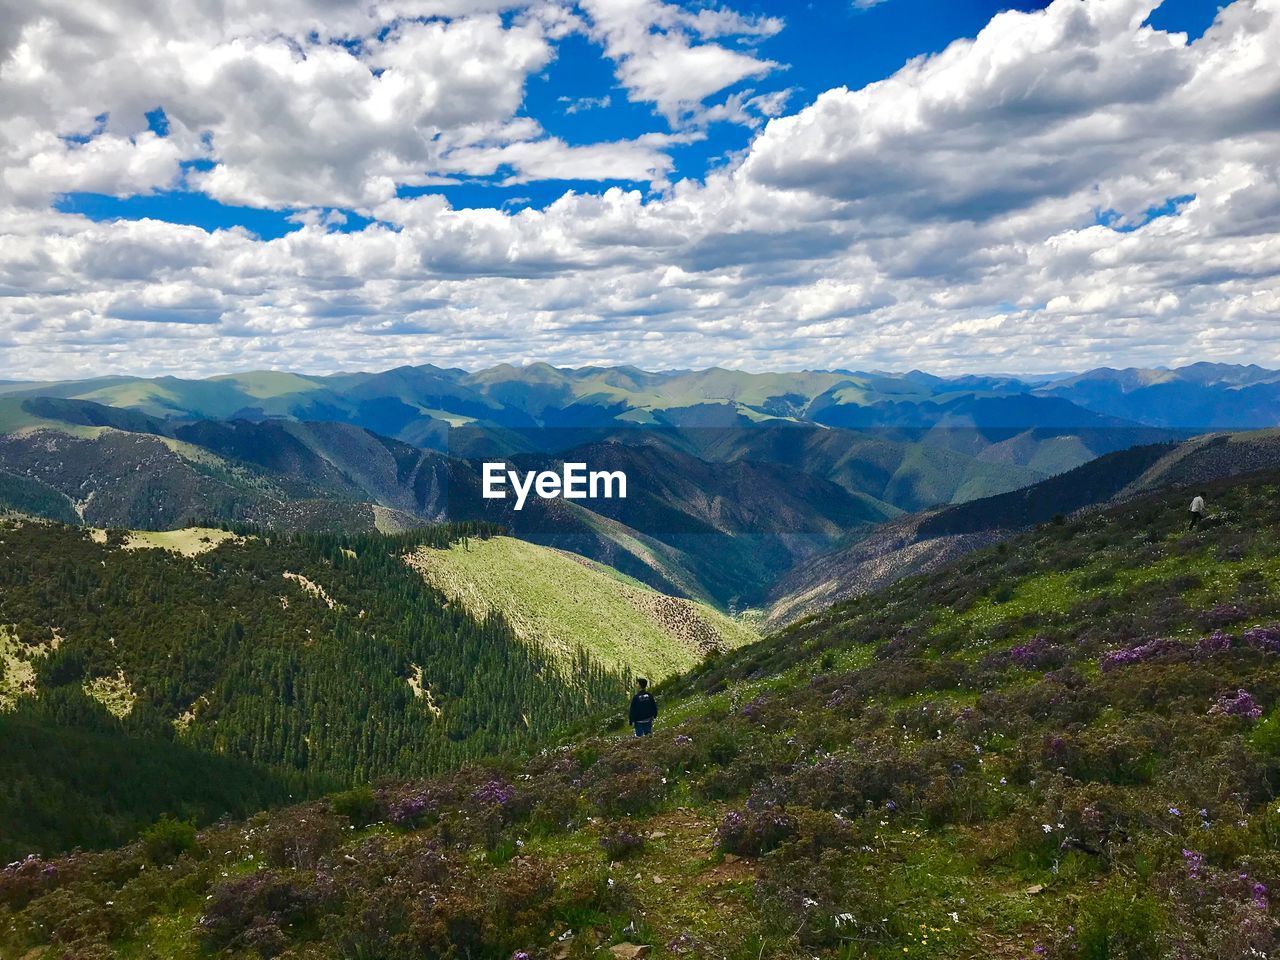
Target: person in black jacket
[(643, 709)]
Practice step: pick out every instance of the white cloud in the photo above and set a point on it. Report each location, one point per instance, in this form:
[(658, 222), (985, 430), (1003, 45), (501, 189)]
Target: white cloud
[(580, 104), (293, 103), (943, 218), (550, 158), (666, 54)]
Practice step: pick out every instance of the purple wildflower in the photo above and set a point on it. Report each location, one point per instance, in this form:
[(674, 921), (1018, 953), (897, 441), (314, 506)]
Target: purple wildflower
[(1194, 862), (406, 811), (1266, 639), (1215, 642), (1037, 652), (1239, 704), (1223, 614), (1161, 648), (495, 793), (682, 943)]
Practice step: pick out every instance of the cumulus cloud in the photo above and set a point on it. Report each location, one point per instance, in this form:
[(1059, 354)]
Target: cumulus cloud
[(666, 55), (1005, 204), (288, 103)]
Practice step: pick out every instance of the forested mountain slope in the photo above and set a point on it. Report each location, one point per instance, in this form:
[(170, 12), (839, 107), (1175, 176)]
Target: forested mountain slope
[(74, 460), (316, 654), (1067, 746)]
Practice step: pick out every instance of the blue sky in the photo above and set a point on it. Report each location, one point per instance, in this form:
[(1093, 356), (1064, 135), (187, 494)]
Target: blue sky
[(824, 44), (951, 185)]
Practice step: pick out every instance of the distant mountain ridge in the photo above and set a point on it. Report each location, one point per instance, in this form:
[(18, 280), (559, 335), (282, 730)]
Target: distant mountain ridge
[(1209, 395)]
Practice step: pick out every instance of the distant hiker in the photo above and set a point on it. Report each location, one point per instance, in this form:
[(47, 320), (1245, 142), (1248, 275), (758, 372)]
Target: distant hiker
[(643, 709), (1197, 509)]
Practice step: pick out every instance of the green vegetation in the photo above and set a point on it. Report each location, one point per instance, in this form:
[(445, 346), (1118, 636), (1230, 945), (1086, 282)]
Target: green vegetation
[(1064, 745), (24, 495), (565, 603), (88, 785), (323, 656)]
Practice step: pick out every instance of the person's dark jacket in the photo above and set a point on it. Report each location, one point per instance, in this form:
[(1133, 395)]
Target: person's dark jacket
[(643, 707)]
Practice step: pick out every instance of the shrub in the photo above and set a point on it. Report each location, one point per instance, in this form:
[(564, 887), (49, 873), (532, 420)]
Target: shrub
[(619, 789), (555, 805), (1161, 648), (407, 808), (1238, 704), (24, 880), (1266, 639), (1222, 615), (871, 773), (300, 842), (494, 793), (76, 916), (1038, 654), (257, 911), (732, 780), (166, 840), (1119, 925), (620, 842), (754, 832), (824, 899), (359, 805)]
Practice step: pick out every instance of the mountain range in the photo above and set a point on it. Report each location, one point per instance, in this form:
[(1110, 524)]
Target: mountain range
[(744, 479), (417, 403)]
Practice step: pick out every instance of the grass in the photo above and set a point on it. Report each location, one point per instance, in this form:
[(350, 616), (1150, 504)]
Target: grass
[(17, 670), (563, 603), (114, 693), (1059, 592), (14, 419), (190, 541)]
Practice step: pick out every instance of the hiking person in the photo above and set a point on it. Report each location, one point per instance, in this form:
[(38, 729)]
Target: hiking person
[(643, 709), (1197, 509)]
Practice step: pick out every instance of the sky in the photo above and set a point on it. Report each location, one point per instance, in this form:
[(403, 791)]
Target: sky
[(193, 187)]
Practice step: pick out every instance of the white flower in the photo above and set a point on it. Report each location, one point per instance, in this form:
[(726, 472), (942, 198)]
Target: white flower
[(1048, 828)]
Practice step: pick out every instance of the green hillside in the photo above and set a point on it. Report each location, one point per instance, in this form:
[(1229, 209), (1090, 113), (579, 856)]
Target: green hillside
[(563, 602), (1065, 746), (306, 656)]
